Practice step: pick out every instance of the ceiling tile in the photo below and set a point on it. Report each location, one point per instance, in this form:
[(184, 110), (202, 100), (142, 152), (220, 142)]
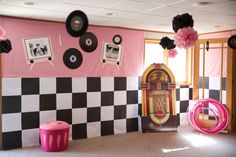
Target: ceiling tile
[(42, 4), (202, 27), (117, 14), (93, 3), (156, 24), (164, 22), (14, 14), (166, 2), (64, 7), (134, 6), (214, 17), (224, 8), (54, 16), (188, 4), (98, 20), (151, 27), (145, 17), (18, 11), (168, 11)]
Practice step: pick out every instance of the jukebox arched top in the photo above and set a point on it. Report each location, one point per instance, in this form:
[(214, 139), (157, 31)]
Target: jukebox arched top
[(158, 73)]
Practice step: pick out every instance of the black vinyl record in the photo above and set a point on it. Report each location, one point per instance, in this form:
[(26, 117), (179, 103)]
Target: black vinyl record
[(72, 58), (117, 39), (76, 23), (88, 42), (232, 42)]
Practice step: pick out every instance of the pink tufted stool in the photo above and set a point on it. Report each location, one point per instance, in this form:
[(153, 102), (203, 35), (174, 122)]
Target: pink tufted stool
[(54, 136)]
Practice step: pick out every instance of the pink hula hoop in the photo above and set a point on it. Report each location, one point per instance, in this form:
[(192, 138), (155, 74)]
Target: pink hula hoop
[(220, 111)]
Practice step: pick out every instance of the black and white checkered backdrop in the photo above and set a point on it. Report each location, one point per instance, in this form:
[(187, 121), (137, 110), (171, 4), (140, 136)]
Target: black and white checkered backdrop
[(212, 88), (93, 106)]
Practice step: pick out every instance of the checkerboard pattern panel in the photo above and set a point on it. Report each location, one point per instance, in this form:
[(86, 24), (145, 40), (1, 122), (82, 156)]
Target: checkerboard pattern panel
[(212, 88), (93, 106), (184, 96)]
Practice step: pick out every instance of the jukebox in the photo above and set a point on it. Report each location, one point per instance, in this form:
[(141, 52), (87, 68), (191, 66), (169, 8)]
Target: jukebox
[(158, 99)]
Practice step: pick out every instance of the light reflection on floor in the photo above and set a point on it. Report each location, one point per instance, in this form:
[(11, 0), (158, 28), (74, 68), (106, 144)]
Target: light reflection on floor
[(199, 140), (173, 150)]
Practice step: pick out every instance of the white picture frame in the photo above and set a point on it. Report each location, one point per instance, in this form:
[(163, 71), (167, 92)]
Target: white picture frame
[(111, 53), (38, 50)]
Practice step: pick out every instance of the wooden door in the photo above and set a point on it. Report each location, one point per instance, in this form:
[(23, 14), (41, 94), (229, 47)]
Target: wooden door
[(225, 65)]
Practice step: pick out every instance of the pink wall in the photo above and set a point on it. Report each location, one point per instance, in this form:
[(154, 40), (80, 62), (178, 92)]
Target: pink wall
[(14, 63)]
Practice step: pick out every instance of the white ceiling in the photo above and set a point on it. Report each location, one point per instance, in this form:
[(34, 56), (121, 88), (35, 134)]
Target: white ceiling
[(154, 15)]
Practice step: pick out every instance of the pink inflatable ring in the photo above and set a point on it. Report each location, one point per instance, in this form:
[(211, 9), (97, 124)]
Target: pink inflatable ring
[(217, 110)]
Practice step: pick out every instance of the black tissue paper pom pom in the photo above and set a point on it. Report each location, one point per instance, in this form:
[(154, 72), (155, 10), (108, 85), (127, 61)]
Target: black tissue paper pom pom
[(181, 21), (167, 43), (171, 45), (5, 46)]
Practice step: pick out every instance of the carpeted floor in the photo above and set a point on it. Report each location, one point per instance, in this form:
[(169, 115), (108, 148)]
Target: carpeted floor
[(184, 143)]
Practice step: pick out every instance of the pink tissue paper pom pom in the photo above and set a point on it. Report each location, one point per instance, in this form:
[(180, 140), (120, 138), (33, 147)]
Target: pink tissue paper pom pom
[(2, 32), (172, 53), (185, 37)]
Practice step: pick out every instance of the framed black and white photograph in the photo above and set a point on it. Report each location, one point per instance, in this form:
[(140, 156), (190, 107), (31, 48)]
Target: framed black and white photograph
[(38, 49), (111, 53)]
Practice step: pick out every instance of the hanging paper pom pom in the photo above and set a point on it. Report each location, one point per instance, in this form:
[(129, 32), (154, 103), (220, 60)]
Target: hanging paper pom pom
[(181, 21), (185, 37), (2, 32), (164, 42), (172, 53), (171, 45), (5, 46), (167, 43)]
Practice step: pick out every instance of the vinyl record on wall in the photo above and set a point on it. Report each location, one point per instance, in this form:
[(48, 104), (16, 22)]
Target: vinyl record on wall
[(88, 42), (117, 39), (76, 23), (72, 58), (232, 42)]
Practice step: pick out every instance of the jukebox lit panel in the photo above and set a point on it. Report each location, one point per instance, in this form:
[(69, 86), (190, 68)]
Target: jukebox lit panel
[(159, 109), (158, 99)]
